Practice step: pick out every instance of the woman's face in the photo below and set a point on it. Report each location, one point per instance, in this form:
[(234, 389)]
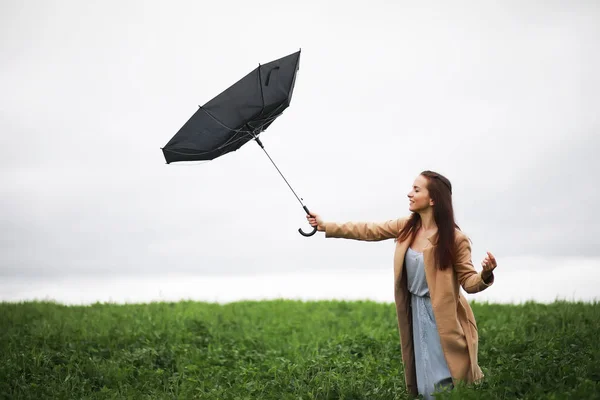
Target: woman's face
[(418, 197)]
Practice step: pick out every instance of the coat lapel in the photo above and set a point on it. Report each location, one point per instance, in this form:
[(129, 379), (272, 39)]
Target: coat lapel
[(428, 260), (401, 249), (404, 315)]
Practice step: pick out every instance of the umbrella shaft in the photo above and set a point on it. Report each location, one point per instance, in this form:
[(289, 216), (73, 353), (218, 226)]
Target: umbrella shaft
[(275, 165)]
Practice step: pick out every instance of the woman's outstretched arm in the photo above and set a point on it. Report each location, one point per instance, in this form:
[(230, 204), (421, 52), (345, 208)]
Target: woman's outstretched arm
[(367, 231)]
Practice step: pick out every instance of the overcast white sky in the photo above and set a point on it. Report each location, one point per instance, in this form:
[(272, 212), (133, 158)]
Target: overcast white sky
[(503, 99)]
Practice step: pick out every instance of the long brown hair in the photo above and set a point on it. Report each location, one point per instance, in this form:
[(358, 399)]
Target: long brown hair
[(440, 191)]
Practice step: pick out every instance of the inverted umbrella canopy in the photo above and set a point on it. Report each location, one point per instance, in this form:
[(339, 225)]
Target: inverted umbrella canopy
[(237, 115)]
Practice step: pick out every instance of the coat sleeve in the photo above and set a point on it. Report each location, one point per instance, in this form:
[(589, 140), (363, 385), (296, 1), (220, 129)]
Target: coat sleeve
[(470, 280), (367, 231)]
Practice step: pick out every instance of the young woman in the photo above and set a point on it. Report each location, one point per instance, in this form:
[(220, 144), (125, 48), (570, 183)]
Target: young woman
[(432, 260)]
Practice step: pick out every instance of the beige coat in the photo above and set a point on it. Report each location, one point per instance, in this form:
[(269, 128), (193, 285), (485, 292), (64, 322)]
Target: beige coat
[(454, 317)]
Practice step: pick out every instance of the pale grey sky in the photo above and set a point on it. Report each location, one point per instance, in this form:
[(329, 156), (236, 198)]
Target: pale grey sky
[(502, 98)]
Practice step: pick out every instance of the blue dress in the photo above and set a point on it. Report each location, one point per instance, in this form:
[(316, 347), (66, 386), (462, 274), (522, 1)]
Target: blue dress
[(431, 367)]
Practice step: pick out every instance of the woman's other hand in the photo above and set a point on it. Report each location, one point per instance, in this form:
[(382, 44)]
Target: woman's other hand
[(489, 264)]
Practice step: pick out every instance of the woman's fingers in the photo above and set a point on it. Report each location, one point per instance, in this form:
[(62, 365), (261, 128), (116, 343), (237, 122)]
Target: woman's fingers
[(489, 262), (312, 219)]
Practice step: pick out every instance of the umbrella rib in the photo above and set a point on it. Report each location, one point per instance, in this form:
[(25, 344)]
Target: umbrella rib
[(238, 130), (217, 148), (219, 122), (270, 118), (186, 154), (231, 141), (262, 96)]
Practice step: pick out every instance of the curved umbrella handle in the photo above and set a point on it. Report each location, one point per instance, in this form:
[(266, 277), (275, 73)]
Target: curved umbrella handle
[(307, 234), (314, 228)]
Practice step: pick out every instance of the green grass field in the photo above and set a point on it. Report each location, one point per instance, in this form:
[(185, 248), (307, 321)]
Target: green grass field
[(280, 350)]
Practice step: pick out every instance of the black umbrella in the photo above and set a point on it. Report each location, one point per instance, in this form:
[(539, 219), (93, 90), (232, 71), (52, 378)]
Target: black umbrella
[(237, 115)]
